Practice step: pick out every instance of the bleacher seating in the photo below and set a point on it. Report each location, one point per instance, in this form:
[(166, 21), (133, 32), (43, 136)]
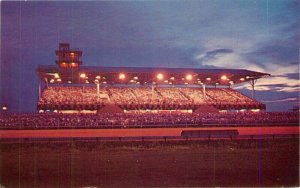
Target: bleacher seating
[(72, 98)]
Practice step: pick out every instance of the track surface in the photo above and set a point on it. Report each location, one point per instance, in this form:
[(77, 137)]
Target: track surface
[(140, 132)]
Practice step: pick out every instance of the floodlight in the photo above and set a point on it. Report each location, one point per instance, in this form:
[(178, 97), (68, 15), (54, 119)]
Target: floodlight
[(189, 77), (160, 76), (135, 78), (121, 76), (56, 75), (242, 79), (82, 75), (98, 77), (224, 77), (208, 79)]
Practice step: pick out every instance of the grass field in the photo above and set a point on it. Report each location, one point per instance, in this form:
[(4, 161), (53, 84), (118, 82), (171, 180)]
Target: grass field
[(156, 164)]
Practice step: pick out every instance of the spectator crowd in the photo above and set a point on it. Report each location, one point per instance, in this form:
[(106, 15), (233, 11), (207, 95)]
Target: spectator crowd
[(79, 98), (125, 120)]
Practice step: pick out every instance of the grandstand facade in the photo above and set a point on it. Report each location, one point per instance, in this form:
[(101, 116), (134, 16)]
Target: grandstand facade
[(70, 87)]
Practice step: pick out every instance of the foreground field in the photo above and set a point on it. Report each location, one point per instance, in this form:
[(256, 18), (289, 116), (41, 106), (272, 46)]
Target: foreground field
[(161, 164)]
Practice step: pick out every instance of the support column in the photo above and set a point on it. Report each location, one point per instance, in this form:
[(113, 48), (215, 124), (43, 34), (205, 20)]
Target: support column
[(98, 90), (252, 83), (40, 90), (152, 91), (204, 92)]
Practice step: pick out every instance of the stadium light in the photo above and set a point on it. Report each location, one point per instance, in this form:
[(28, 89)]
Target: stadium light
[(74, 64), (121, 76), (247, 77), (96, 81), (59, 80), (224, 77), (63, 64), (189, 77), (69, 82), (160, 76), (166, 81), (172, 78), (56, 75), (4, 108), (135, 78), (82, 75), (242, 79), (208, 79), (87, 82), (52, 81), (217, 83), (72, 54), (231, 82), (98, 77)]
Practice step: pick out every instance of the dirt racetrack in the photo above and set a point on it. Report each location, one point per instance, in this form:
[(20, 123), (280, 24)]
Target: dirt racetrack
[(139, 132)]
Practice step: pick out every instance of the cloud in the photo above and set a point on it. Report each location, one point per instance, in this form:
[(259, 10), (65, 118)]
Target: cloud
[(282, 100), (293, 76)]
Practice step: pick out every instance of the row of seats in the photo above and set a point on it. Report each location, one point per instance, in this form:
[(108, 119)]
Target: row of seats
[(74, 96)]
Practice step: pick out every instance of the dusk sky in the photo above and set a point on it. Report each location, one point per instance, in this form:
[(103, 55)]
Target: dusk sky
[(258, 35)]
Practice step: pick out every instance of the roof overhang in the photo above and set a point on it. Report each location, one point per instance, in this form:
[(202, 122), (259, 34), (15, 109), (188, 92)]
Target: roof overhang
[(146, 75)]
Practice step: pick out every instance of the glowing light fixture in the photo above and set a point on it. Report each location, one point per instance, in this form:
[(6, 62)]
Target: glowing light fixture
[(242, 79), (224, 77), (208, 79), (160, 76), (82, 75), (121, 76), (189, 77), (135, 78), (56, 75), (98, 77)]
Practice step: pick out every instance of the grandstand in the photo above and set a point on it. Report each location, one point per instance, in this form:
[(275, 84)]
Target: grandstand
[(70, 87), (74, 96)]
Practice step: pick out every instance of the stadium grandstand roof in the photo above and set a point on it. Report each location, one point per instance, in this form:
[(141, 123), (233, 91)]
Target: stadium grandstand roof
[(145, 75)]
